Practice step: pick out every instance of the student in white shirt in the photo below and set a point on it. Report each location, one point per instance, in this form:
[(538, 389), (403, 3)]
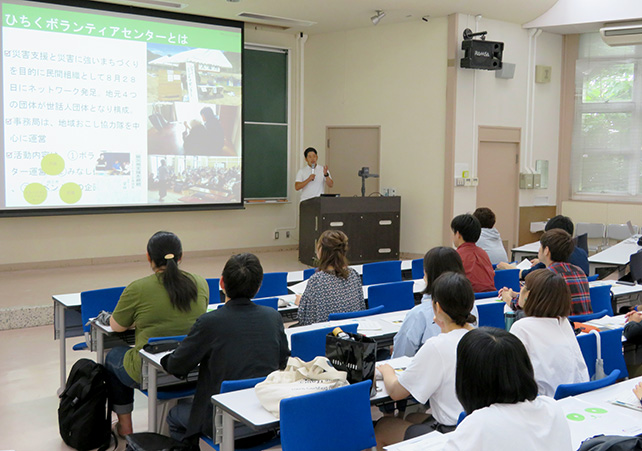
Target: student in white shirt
[(418, 325), (496, 387), (547, 334), (431, 374), (311, 179)]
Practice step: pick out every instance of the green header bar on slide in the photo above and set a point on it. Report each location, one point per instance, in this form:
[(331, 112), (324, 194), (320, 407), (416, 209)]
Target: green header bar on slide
[(104, 26)]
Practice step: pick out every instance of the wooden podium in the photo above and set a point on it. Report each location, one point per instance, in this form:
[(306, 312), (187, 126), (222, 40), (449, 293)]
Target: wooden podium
[(372, 225)]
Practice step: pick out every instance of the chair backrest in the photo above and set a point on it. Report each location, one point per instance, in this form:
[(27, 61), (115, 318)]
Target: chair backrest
[(592, 278), (507, 278), (337, 419), (359, 314), (581, 241), (268, 302), (274, 284), (215, 291), (392, 296), (635, 265), (487, 294), (382, 272), (311, 343), (240, 384), (618, 232), (588, 316), (418, 268), (172, 337), (565, 390), (93, 301), (612, 352), (307, 273), (592, 229), (601, 299), (491, 315)]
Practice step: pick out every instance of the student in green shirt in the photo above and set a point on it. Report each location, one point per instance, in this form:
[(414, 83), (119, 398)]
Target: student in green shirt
[(165, 303)]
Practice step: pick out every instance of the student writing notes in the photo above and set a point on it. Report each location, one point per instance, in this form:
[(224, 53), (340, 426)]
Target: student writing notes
[(495, 385), (431, 373), (547, 334), (162, 304)]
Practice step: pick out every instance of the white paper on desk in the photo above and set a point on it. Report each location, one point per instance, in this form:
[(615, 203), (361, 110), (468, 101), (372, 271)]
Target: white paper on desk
[(396, 318), (524, 264), (608, 322), (432, 441), (626, 398), (298, 288), (368, 324), (587, 420)]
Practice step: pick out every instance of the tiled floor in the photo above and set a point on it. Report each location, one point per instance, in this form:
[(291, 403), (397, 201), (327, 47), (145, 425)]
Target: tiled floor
[(29, 357)]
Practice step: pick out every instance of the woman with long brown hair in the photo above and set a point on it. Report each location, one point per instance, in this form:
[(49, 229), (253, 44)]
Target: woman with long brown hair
[(334, 288)]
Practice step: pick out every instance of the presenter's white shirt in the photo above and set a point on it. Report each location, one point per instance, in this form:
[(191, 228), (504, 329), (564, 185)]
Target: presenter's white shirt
[(431, 375), (316, 187), (536, 425), (554, 352)]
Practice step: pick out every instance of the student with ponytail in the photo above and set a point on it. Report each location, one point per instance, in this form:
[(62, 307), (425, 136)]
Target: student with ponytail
[(334, 288), (165, 303)]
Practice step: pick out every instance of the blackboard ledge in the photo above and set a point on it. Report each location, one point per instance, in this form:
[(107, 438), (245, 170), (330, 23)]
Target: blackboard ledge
[(267, 201)]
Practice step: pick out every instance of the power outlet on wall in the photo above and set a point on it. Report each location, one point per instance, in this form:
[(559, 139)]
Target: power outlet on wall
[(276, 234), (287, 234)]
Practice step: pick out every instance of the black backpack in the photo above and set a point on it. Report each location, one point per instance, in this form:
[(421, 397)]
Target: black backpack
[(84, 415), (611, 443)]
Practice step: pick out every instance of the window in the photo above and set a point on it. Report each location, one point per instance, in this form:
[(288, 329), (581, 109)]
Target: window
[(607, 138)]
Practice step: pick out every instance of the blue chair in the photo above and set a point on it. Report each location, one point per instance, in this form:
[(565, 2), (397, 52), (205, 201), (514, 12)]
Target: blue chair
[(337, 419), (488, 294), (268, 302), (565, 390), (507, 278), (592, 278), (92, 302), (418, 268), (359, 314), (274, 284), (588, 316), (382, 272), (612, 352), (215, 291), (601, 299), (392, 296), (307, 273), (491, 315), (461, 417), (242, 384), (311, 343)]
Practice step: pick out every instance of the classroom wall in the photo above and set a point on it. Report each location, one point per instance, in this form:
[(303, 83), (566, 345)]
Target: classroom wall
[(502, 102), (63, 238), (602, 212), (392, 76)]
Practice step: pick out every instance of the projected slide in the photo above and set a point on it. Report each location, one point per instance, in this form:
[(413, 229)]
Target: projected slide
[(102, 109)]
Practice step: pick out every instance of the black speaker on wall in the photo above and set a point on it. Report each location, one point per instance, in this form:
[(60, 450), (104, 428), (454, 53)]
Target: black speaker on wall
[(479, 53)]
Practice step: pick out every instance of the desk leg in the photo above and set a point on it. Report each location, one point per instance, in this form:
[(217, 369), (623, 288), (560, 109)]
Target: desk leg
[(100, 346), (152, 389), (227, 444), (59, 332)]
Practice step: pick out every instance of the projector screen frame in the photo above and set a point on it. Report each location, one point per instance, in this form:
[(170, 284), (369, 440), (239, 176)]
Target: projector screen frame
[(142, 14)]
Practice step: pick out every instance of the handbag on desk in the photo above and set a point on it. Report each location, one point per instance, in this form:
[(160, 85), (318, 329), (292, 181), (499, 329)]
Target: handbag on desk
[(356, 356), (298, 378)]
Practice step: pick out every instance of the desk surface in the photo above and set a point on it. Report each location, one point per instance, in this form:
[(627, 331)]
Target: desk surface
[(530, 248), (618, 254)]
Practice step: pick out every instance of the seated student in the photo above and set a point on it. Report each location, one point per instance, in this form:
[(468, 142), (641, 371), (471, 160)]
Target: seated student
[(418, 325), (547, 334), (431, 374), (578, 257), (495, 385), (162, 304), (240, 340), (555, 247), (479, 270), (490, 240), (334, 288)]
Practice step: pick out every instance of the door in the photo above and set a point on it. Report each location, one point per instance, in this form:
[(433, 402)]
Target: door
[(348, 150), (498, 172)]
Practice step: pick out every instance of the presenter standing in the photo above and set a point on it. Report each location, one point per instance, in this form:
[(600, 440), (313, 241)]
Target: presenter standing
[(311, 180)]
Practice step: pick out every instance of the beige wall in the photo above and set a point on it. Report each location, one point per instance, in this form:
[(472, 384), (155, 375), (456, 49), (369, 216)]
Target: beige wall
[(502, 102), (393, 76), (601, 212), (43, 239)]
